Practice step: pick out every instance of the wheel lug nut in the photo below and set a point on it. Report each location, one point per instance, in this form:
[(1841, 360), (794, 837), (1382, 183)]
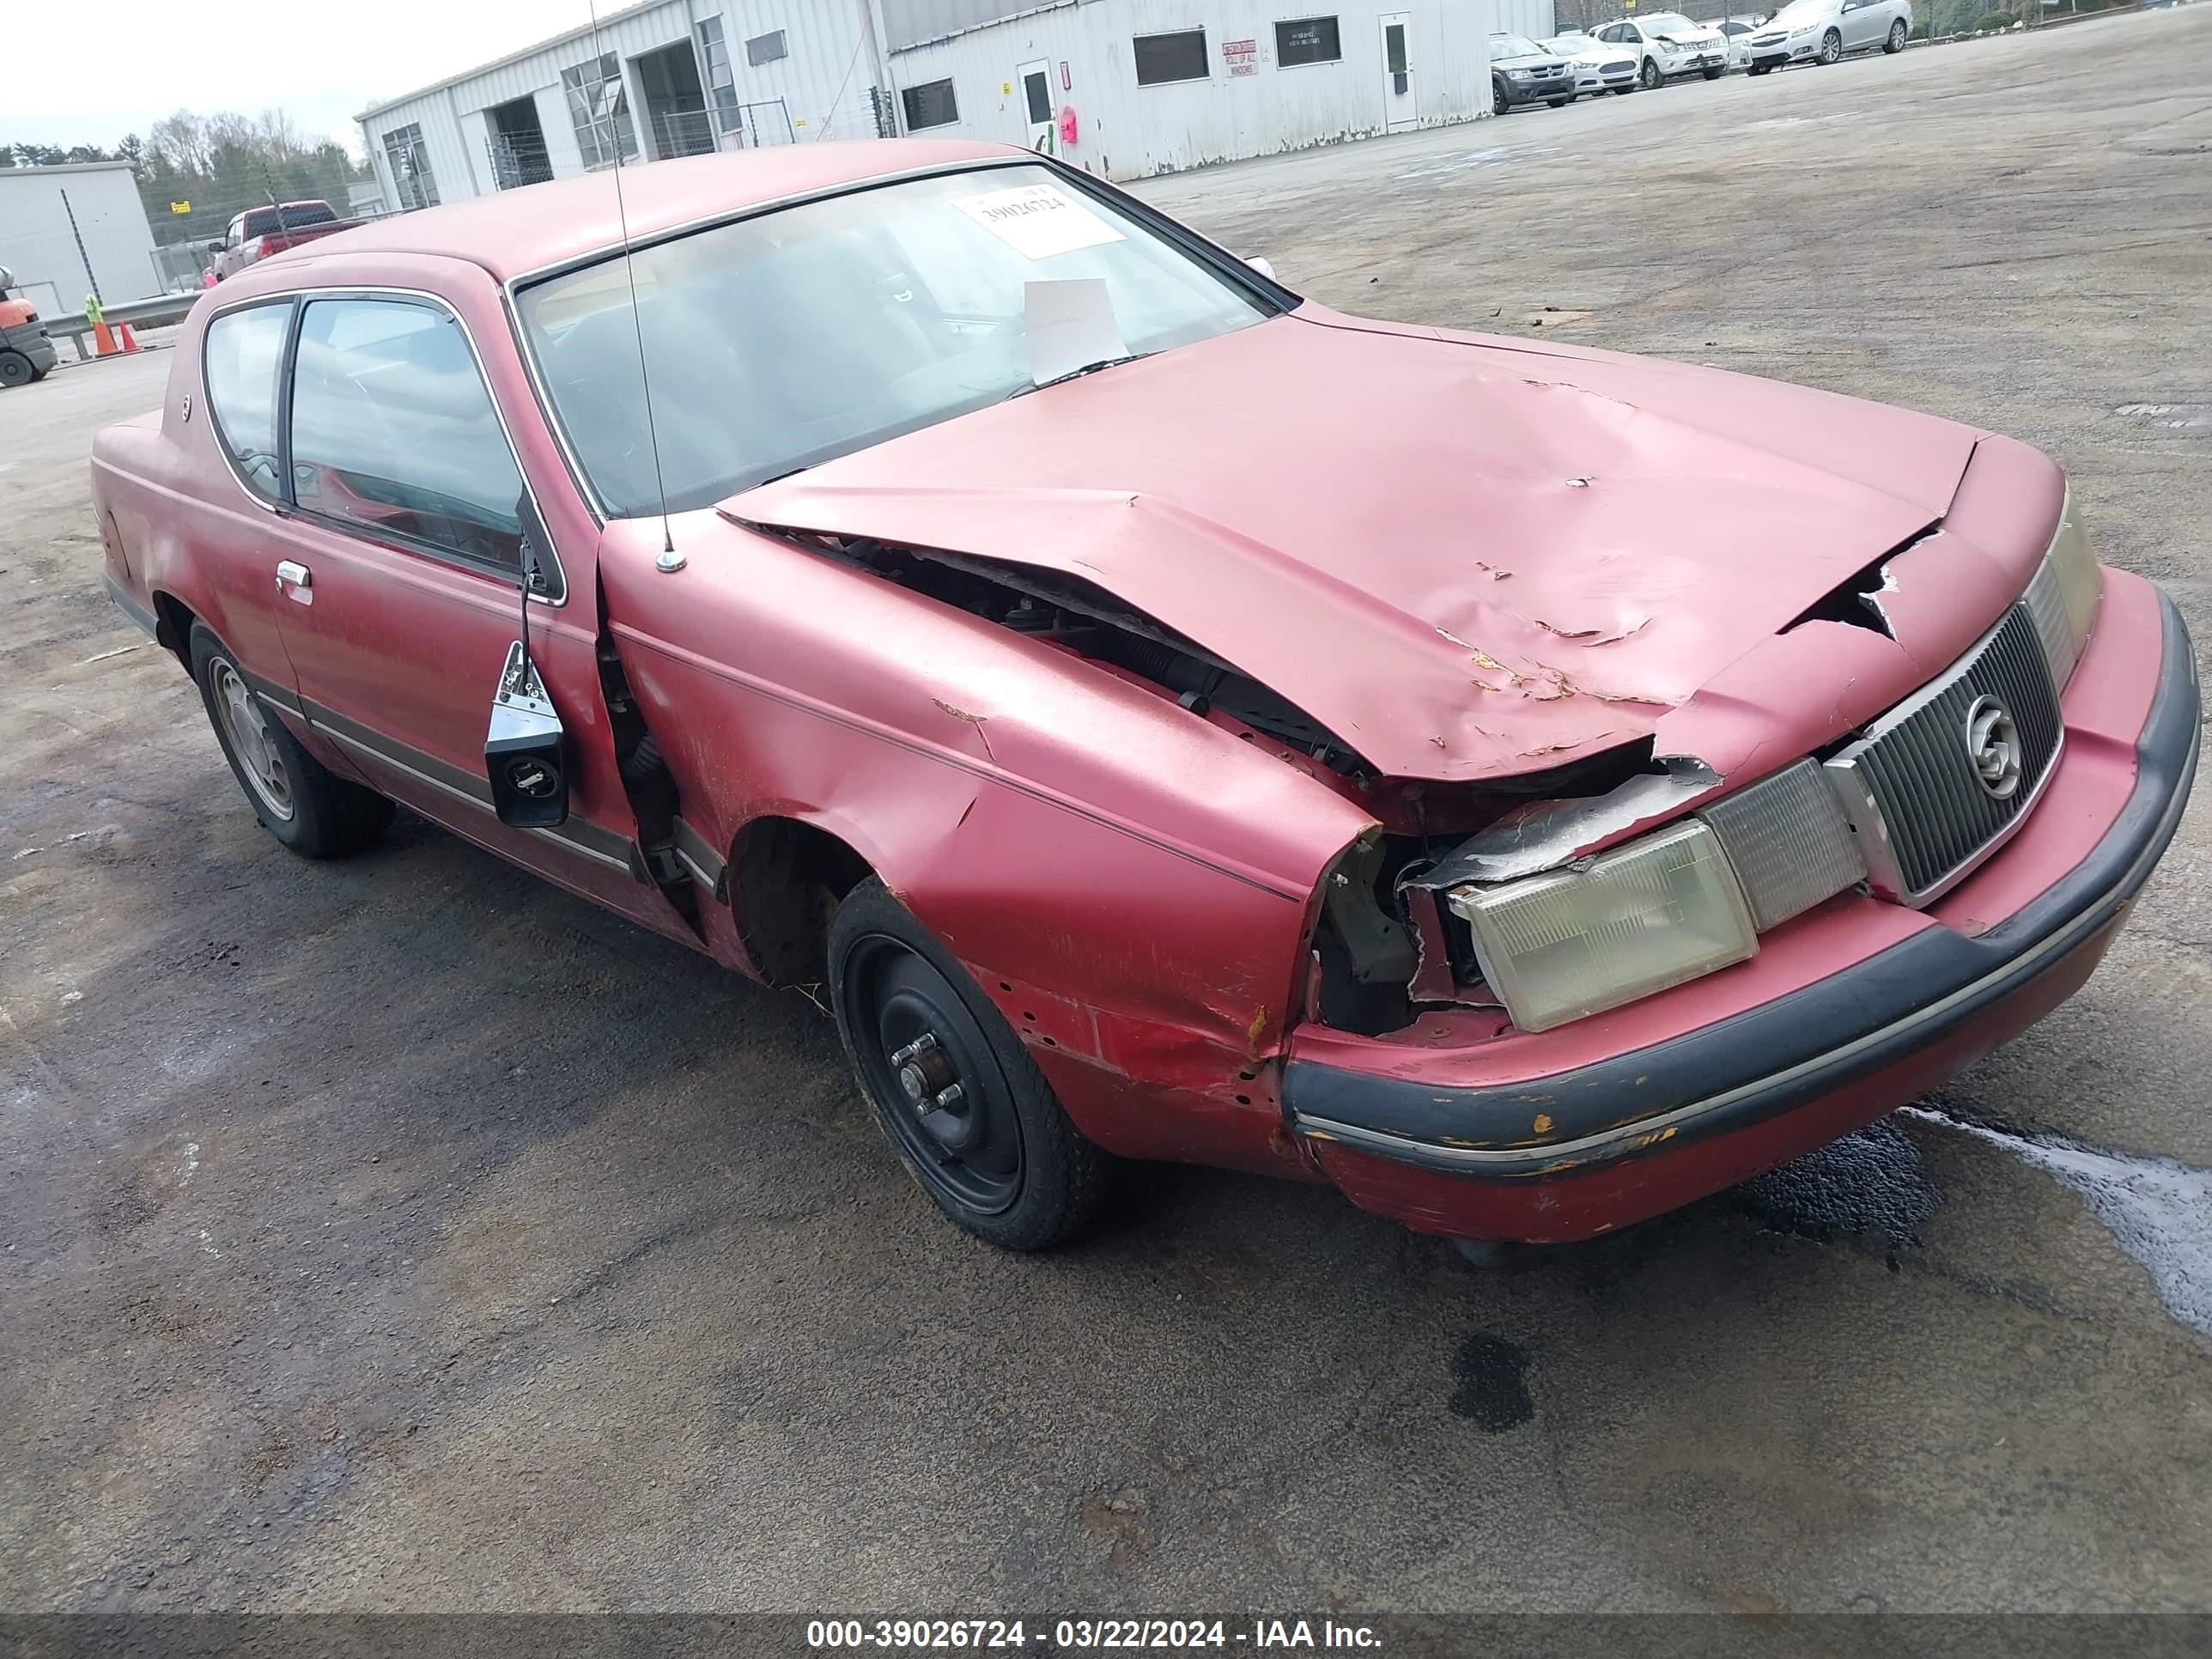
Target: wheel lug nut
[(950, 1096), (921, 1045)]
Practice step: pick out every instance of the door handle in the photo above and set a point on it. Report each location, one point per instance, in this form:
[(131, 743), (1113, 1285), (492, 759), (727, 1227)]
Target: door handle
[(293, 580)]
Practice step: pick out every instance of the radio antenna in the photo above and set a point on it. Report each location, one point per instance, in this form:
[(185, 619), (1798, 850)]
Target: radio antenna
[(637, 327)]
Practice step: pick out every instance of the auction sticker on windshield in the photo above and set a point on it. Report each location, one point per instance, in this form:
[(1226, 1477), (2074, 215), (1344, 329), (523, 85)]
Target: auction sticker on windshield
[(1038, 221)]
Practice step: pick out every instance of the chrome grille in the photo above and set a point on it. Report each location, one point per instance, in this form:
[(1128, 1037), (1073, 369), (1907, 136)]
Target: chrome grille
[(1910, 785)]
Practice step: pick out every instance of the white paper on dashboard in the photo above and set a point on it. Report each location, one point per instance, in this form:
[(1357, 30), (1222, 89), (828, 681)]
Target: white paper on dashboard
[(1070, 326), (1038, 221)]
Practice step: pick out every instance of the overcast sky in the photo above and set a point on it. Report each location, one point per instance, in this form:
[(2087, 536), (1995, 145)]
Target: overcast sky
[(320, 61)]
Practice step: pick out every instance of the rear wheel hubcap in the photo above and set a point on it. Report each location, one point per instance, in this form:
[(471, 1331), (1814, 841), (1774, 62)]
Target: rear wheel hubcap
[(246, 729)]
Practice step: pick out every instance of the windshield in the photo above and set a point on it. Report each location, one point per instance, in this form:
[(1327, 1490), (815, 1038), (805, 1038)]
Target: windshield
[(1669, 22), (1513, 45), (799, 335), (1800, 13)]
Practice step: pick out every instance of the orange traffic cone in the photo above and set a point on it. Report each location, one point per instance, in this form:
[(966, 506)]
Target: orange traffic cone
[(103, 343), (129, 340)]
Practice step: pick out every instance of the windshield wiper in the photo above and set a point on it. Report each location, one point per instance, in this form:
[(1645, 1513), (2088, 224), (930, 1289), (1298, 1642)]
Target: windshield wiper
[(1076, 373)]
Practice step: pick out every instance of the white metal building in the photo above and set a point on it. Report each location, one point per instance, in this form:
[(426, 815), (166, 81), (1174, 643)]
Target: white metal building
[(108, 249), (1124, 87)]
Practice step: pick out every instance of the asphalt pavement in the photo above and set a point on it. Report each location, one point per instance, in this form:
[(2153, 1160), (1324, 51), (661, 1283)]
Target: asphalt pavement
[(402, 1233)]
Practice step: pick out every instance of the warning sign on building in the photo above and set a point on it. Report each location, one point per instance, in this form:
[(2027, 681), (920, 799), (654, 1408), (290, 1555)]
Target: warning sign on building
[(1243, 56)]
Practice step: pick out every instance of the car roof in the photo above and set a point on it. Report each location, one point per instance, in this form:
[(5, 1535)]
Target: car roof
[(515, 232)]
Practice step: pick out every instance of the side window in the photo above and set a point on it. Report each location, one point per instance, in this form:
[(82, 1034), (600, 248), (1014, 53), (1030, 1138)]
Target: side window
[(393, 430), (241, 359)]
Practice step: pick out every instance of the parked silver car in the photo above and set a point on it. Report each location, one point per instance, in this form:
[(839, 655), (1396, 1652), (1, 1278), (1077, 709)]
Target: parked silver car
[(1599, 65), (1822, 31)]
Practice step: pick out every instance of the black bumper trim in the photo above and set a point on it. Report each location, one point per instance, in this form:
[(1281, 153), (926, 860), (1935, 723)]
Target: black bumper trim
[(1753, 1065), (131, 607)]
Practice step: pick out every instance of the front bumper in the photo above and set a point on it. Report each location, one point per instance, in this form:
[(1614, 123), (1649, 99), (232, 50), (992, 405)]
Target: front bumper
[(1574, 1153), (1539, 92)]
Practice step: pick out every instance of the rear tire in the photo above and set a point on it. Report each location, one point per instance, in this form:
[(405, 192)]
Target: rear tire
[(1559, 103), (1001, 1157), (309, 808), (1759, 69), (1895, 43), (16, 369), (1714, 74)]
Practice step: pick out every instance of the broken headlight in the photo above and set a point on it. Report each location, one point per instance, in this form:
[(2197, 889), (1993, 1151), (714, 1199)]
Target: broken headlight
[(1646, 915), (2063, 594)]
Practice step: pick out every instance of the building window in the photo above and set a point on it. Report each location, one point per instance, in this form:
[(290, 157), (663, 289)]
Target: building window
[(1306, 40), (1164, 57), (931, 105), (600, 111), (411, 168), (722, 84), (765, 48)]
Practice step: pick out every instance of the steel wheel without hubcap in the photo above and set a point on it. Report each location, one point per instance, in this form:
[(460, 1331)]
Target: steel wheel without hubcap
[(245, 728), (932, 1075), (1831, 46)]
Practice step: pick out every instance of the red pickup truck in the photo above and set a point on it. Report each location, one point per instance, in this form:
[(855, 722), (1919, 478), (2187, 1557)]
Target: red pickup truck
[(259, 231)]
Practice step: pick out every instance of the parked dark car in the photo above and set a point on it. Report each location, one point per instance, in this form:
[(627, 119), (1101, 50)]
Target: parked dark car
[(1523, 72)]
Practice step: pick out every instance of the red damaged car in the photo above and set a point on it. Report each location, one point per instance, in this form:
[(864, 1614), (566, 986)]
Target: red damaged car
[(1526, 786)]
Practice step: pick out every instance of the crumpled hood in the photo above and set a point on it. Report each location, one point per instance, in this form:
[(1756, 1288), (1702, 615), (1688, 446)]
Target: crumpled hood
[(1468, 559)]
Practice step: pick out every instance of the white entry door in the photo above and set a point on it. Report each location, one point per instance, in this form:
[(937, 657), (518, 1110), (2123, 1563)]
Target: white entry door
[(1034, 85), (1401, 104)]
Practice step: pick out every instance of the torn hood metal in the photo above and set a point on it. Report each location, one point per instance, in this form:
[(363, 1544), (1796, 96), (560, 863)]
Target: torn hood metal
[(1467, 558)]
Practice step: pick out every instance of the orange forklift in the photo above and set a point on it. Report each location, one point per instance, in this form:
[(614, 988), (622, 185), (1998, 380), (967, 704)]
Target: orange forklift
[(26, 353)]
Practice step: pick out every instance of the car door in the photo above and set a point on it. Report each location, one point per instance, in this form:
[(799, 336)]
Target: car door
[(1859, 18), (402, 590)]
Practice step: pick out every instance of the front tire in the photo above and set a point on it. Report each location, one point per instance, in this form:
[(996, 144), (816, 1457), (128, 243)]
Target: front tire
[(309, 808), (1831, 47), (16, 369), (1895, 43), (1649, 76), (1497, 104), (955, 1091)]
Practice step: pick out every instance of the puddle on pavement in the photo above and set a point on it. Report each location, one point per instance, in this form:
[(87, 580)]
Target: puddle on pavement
[(1870, 1182), (2158, 1211)]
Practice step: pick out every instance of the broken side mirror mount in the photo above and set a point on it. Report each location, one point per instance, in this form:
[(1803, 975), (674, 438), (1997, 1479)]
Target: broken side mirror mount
[(524, 749), (1265, 266)]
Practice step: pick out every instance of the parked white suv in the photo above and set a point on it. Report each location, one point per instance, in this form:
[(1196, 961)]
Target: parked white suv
[(1822, 31), (1669, 44)]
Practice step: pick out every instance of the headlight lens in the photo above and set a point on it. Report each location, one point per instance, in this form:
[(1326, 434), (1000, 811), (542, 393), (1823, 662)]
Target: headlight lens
[(2064, 593), (1637, 920)]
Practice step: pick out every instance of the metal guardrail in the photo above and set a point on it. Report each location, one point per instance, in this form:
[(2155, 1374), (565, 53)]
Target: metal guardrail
[(156, 313)]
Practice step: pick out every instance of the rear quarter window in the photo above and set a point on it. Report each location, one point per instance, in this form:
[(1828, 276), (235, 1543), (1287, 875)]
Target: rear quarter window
[(239, 363)]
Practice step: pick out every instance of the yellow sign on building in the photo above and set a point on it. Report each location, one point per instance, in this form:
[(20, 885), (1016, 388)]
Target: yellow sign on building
[(180, 207)]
